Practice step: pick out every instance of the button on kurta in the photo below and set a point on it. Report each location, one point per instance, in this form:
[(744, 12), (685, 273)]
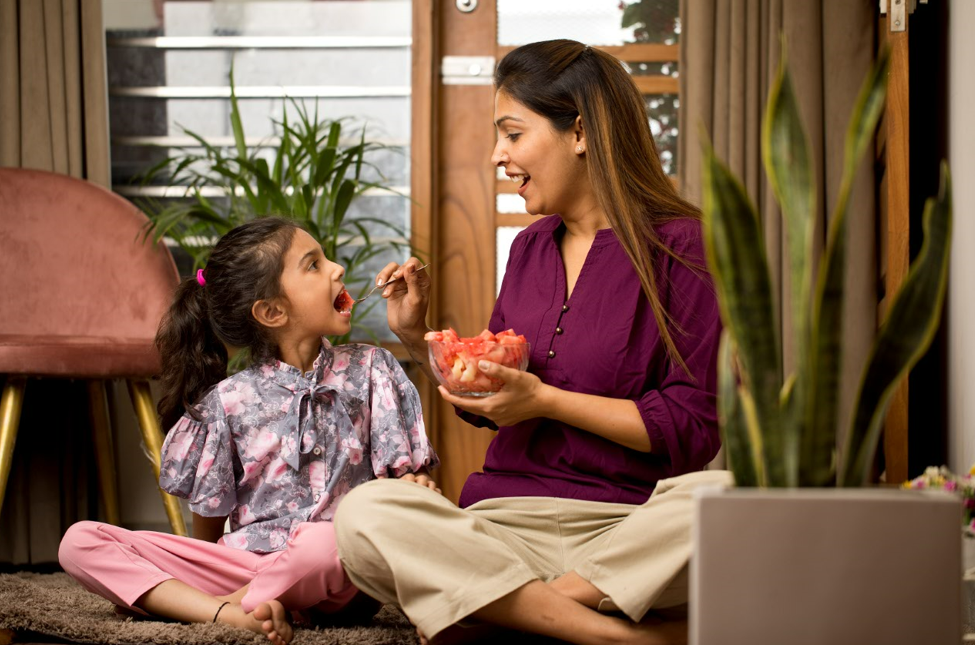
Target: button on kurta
[(558, 330), (565, 308), (317, 450), (551, 353)]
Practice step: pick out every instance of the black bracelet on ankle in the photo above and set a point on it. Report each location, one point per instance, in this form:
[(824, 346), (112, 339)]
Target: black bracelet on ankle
[(218, 610)]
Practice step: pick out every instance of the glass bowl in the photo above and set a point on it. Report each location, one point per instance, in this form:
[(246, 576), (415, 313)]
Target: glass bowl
[(454, 364)]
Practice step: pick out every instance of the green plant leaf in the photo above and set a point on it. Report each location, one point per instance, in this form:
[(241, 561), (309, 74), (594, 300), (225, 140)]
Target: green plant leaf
[(343, 199), (268, 191), (358, 159), (731, 418), (911, 324), (334, 131), (736, 255), (826, 333), (788, 163), (235, 123), (283, 152), (325, 167)]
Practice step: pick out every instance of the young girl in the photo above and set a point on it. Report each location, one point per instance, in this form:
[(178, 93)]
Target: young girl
[(274, 447)]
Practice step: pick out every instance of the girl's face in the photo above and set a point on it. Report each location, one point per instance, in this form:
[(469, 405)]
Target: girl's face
[(546, 164), (312, 287)]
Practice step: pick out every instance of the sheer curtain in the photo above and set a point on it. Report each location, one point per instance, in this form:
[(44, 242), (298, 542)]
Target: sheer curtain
[(729, 53), (53, 116)]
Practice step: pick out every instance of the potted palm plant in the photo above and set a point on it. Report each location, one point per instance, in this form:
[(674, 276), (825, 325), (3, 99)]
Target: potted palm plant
[(800, 551), (312, 174)]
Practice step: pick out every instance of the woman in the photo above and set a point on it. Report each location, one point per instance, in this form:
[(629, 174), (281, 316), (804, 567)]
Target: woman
[(583, 506)]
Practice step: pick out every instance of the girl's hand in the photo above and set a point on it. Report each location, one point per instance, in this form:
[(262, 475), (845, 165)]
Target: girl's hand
[(520, 398), (423, 479), (407, 300)]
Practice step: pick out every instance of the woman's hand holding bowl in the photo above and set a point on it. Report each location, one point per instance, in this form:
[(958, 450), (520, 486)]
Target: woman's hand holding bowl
[(521, 397)]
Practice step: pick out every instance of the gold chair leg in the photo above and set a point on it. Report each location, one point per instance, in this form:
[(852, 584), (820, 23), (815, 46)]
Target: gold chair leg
[(153, 437), (101, 430), (11, 404)]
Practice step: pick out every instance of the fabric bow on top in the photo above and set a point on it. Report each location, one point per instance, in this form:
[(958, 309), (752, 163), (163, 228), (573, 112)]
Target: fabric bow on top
[(302, 420)]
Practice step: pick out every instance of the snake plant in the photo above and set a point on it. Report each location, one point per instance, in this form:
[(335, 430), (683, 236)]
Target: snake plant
[(779, 430)]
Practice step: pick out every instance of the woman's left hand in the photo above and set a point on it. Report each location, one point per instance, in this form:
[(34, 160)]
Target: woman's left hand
[(517, 400)]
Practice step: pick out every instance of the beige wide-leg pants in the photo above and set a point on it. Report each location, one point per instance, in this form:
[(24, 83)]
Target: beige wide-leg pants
[(405, 544)]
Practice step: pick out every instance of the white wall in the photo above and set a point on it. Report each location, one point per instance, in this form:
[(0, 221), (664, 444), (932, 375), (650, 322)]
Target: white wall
[(961, 304)]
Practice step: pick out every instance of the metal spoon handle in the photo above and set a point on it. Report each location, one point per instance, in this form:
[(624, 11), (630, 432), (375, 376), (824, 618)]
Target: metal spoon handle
[(386, 284)]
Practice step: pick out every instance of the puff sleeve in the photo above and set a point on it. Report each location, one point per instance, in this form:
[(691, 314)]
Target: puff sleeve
[(197, 465), (398, 440)]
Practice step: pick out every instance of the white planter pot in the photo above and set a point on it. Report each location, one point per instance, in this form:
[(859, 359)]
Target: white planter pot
[(825, 567)]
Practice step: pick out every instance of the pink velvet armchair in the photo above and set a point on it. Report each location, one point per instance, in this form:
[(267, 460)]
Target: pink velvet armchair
[(82, 295)]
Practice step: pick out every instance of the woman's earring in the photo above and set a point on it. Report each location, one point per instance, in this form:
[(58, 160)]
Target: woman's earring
[(579, 149)]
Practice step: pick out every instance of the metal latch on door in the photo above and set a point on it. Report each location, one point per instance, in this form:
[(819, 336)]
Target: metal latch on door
[(898, 12), (467, 70)]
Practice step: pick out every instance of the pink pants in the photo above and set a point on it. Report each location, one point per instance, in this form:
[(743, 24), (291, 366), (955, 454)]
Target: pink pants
[(122, 565)]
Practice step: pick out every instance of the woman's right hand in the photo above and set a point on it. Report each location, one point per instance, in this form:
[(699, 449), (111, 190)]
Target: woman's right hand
[(407, 300)]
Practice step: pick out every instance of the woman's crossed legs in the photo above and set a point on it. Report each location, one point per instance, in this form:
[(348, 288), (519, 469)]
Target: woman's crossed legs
[(540, 565)]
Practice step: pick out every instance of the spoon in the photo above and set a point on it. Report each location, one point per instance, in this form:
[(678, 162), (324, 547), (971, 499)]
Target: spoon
[(386, 284)]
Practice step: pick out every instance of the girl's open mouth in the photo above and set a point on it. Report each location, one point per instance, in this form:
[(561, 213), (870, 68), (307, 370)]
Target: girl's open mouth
[(344, 302)]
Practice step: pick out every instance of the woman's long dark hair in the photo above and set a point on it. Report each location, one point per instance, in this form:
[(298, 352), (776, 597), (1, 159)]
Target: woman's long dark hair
[(562, 80), (204, 320)]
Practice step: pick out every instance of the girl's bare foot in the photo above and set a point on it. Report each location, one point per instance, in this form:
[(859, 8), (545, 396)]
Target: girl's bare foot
[(269, 618), (274, 622)]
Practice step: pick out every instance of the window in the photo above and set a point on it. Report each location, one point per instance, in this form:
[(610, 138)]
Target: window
[(169, 63)]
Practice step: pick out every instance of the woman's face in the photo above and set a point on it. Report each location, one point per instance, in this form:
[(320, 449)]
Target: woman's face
[(545, 163)]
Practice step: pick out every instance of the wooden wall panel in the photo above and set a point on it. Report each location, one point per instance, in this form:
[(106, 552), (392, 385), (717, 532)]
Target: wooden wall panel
[(897, 179), (464, 276), (424, 82)]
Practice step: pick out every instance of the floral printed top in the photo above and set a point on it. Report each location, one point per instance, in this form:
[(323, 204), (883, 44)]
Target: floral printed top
[(275, 447)]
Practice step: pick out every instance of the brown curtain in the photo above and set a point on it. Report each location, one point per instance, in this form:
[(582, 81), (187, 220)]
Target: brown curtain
[(53, 116), (53, 95), (729, 53)]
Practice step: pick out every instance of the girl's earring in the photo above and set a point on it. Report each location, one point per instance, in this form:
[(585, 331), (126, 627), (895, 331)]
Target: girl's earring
[(579, 149)]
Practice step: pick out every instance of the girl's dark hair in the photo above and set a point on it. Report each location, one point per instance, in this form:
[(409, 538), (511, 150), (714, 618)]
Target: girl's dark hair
[(205, 320), (562, 80)]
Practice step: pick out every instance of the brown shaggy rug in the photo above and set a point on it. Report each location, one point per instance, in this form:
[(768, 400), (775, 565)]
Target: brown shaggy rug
[(52, 607)]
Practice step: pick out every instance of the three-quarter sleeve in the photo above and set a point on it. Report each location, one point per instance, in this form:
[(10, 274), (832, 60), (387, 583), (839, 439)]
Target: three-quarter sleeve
[(197, 465), (681, 414), (398, 439)]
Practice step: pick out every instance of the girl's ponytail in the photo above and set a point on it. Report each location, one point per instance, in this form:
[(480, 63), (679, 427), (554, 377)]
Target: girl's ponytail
[(193, 358)]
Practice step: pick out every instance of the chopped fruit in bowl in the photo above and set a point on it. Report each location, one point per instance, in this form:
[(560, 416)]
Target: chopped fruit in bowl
[(454, 359), (344, 302)]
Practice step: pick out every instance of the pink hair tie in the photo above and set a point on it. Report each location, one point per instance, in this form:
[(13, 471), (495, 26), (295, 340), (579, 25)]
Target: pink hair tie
[(200, 278)]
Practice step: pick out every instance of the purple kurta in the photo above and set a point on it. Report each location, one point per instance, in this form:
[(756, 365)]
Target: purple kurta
[(605, 341)]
